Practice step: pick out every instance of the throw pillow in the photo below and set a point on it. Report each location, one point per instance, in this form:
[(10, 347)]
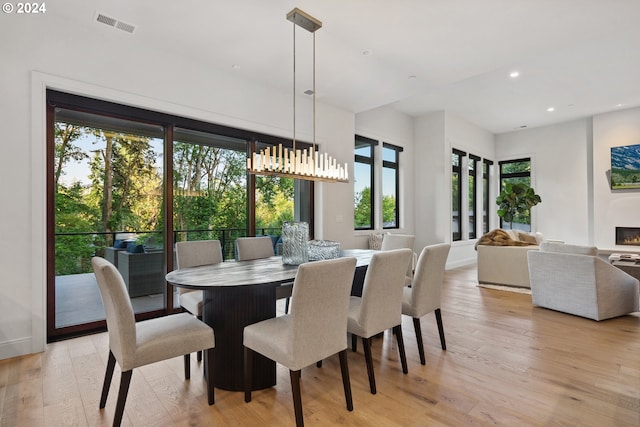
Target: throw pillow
[(375, 241), (526, 237)]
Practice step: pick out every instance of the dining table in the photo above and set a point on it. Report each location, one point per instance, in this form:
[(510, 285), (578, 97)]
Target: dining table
[(240, 293)]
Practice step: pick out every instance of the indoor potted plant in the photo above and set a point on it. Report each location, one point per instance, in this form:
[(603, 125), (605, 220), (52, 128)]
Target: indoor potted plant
[(515, 200)]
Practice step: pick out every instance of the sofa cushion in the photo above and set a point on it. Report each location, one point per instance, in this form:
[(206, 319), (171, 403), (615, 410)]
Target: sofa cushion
[(550, 246)]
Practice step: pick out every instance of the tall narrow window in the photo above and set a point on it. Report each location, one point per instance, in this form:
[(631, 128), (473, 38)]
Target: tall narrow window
[(516, 171), (486, 194), (363, 183), (390, 185), (473, 194), (456, 193)]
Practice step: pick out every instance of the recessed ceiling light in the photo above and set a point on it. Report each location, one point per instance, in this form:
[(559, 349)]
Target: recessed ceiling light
[(619, 105), (514, 74), (235, 66), (367, 52), (412, 77), (551, 109)]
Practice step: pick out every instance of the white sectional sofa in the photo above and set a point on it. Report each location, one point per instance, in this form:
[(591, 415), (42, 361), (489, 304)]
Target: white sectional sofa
[(505, 264)]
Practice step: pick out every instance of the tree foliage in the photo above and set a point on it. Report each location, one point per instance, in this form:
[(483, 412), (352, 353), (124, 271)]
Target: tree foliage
[(124, 191)]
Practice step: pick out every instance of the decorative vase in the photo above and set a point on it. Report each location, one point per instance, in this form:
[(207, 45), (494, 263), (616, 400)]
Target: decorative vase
[(323, 249), (295, 236)]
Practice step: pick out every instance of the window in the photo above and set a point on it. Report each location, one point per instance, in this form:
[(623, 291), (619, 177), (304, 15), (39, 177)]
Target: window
[(363, 188), (467, 196), (486, 194), (516, 171), (390, 185), (456, 193), (473, 194)]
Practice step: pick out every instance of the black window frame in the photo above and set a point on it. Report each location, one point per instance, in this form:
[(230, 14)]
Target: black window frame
[(472, 195), (457, 169), (486, 186), (360, 141), (396, 167), (511, 175)]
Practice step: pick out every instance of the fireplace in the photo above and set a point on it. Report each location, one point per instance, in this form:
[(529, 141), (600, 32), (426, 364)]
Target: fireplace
[(628, 236)]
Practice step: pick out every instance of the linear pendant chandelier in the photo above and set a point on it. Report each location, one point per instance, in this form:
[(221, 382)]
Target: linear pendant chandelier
[(307, 164)]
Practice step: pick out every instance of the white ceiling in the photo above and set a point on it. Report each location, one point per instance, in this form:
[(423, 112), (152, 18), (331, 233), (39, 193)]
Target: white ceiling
[(581, 57)]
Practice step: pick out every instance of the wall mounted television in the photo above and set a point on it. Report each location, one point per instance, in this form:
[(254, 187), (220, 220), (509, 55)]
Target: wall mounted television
[(625, 167)]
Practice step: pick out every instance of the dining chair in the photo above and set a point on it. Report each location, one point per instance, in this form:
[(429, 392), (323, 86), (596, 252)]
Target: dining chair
[(315, 329), (423, 296), (248, 248), (134, 344), (193, 254), (380, 307), (392, 241)]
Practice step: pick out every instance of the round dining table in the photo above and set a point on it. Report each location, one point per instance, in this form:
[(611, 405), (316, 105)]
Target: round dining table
[(240, 293)]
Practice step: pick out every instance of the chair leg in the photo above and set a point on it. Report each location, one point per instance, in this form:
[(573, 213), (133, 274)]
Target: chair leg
[(346, 383), (125, 380), (319, 364), (248, 373), (354, 343), (208, 364), (286, 306), (187, 366), (418, 329), (366, 345), (199, 354), (440, 329), (297, 398), (403, 356), (111, 364)]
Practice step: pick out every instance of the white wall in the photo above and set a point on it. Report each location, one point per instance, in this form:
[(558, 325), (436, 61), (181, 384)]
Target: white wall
[(432, 174), (613, 208), (98, 62), (559, 156)]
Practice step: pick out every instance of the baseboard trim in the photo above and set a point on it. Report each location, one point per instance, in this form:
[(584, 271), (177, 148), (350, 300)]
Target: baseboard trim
[(19, 347)]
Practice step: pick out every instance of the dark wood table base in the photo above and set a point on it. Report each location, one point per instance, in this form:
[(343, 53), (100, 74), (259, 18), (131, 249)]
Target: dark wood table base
[(231, 309)]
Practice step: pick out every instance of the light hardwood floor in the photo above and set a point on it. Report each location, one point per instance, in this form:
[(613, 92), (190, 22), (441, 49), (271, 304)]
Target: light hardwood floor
[(507, 363)]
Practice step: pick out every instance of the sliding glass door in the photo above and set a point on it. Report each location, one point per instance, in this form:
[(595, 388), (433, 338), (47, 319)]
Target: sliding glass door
[(116, 173), (108, 191)]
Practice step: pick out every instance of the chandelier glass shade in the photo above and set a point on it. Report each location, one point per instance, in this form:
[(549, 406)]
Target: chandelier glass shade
[(307, 164)]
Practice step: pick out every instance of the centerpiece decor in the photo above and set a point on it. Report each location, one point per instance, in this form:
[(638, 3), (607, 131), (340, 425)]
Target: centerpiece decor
[(323, 249), (295, 241)]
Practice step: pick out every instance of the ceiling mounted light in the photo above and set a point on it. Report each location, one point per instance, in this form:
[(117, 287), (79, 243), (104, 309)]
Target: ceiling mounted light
[(307, 164), (551, 109), (514, 74)]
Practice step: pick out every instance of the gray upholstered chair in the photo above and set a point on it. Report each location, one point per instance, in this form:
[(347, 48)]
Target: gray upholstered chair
[(134, 344), (573, 279), (399, 241), (315, 329), (423, 296), (248, 248), (380, 307), (193, 254)]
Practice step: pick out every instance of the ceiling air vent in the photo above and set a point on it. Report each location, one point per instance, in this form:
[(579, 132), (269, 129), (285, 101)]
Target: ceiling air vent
[(107, 20), (113, 22), (125, 27)]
